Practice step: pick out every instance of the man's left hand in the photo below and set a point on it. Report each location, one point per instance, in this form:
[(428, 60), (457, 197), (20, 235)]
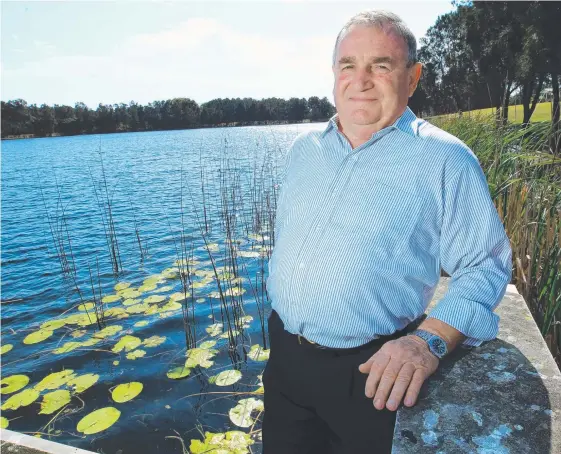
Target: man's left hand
[(401, 366)]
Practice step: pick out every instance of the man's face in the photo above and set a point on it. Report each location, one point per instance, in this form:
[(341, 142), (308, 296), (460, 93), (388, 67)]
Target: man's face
[(372, 80)]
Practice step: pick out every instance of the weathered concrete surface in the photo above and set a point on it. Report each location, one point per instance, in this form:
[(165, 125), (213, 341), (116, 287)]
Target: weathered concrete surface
[(16, 443), (503, 397)]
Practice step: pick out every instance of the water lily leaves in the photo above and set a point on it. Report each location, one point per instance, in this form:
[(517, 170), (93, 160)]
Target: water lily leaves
[(21, 399), (200, 357), (90, 342), (178, 296), (130, 293), (131, 301), (82, 319), (126, 391), (86, 307), (13, 383), (67, 347), (78, 333), (114, 312), (136, 354), (98, 420), (51, 325), (6, 348), (228, 377), (116, 363), (167, 288), (147, 288), (232, 291), (111, 298), (257, 353), (154, 341), (178, 372), (122, 286), (170, 273), (4, 423), (55, 380), (225, 335), (154, 299), (248, 254), (37, 336), (235, 442), (108, 331), (207, 344), (141, 323), (126, 343), (54, 401), (171, 307), (137, 308), (240, 415), (201, 284), (214, 329), (82, 382)]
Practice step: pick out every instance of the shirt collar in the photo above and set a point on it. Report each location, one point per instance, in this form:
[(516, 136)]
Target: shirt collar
[(407, 122)]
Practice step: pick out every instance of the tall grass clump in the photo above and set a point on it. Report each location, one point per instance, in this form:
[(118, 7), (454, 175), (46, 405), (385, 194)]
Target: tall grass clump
[(523, 168)]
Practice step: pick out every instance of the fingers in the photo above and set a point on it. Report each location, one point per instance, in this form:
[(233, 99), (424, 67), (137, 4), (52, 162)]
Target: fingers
[(378, 363), (387, 380), (414, 388), (400, 386)]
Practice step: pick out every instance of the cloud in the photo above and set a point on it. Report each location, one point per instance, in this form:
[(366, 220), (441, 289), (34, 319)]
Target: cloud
[(200, 58)]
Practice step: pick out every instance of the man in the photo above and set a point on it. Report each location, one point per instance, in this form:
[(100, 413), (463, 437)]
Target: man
[(369, 211)]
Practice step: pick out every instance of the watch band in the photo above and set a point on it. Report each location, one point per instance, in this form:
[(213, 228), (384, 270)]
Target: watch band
[(436, 344)]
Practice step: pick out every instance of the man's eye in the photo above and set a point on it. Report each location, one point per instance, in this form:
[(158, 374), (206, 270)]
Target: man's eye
[(381, 68), (347, 67)]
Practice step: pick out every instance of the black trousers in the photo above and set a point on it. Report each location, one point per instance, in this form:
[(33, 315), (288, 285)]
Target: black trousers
[(315, 402)]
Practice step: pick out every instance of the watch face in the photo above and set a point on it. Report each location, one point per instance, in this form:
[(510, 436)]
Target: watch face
[(439, 346)]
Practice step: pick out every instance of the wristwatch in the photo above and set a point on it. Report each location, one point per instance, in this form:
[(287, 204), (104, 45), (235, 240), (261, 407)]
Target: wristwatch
[(437, 345)]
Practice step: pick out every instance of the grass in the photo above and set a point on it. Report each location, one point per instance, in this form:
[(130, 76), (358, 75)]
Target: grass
[(515, 113)]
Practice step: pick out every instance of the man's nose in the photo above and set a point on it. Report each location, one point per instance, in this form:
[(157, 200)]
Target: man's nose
[(363, 79)]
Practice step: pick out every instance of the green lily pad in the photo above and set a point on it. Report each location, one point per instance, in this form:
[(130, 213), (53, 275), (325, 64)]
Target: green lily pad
[(130, 293), (228, 377), (98, 420), (170, 273), (108, 331), (154, 341), (54, 401), (178, 296), (51, 325), (214, 329), (21, 399), (5, 348), (137, 308), (55, 380), (233, 442), (67, 347), (178, 372), (4, 423), (82, 382), (122, 286), (131, 302), (86, 307), (126, 391), (138, 353), (152, 299), (257, 353), (200, 357), (240, 415), (126, 343), (225, 335), (141, 323), (13, 383), (147, 288), (82, 319), (248, 254), (165, 289), (114, 312), (110, 298), (171, 306), (78, 333), (207, 344), (90, 342), (37, 336)]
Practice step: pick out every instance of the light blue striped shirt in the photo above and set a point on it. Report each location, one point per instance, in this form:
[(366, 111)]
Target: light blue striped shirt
[(361, 236)]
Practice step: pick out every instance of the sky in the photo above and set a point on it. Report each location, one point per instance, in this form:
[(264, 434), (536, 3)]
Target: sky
[(122, 51)]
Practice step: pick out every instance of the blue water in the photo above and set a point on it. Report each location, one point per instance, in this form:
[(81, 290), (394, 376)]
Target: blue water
[(144, 174)]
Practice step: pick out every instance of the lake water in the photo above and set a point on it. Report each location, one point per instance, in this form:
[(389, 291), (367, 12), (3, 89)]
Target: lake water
[(153, 179)]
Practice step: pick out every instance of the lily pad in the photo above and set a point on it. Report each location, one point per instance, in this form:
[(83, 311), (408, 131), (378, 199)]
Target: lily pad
[(178, 372), (165, 289), (37, 336), (4, 423), (54, 401), (114, 312), (152, 299), (130, 293), (178, 296), (228, 377), (137, 308), (248, 254), (82, 319), (67, 347), (126, 391), (226, 335), (82, 382), (122, 286), (51, 325), (90, 342), (214, 329), (240, 415), (207, 344), (21, 399), (98, 420), (233, 442), (170, 273), (86, 307), (5, 348), (108, 331), (13, 383), (200, 357), (154, 341), (110, 298), (131, 301), (147, 288), (141, 323), (127, 343), (257, 353), (171, 306), (232, 291), (78, 333), (138, 353), (55, 380)]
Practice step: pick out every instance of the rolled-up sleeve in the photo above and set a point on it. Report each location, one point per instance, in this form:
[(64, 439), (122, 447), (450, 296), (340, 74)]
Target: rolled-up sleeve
[(475, 251)]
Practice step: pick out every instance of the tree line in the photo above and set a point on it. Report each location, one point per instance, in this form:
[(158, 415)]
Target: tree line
[(20, 118)]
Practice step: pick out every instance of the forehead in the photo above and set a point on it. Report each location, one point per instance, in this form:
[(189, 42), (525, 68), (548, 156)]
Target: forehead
[(368, 41)]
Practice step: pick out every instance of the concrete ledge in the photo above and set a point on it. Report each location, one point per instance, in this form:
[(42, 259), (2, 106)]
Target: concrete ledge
[(16, 443), (502, 397)]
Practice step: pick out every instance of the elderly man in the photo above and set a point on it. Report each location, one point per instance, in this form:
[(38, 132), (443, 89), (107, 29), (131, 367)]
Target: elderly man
[(369, 211)]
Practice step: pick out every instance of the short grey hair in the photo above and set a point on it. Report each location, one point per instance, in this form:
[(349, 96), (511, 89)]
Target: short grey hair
[(381, 19)]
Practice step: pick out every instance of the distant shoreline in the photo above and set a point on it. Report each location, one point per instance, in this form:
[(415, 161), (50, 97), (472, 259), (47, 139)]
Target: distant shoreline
[(234, 124)]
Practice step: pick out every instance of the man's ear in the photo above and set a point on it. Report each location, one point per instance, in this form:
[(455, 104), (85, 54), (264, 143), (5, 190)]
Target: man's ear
[(414, 75)]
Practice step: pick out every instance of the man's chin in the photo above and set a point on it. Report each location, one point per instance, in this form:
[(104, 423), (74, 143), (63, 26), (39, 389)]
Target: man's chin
[(363, 118)]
